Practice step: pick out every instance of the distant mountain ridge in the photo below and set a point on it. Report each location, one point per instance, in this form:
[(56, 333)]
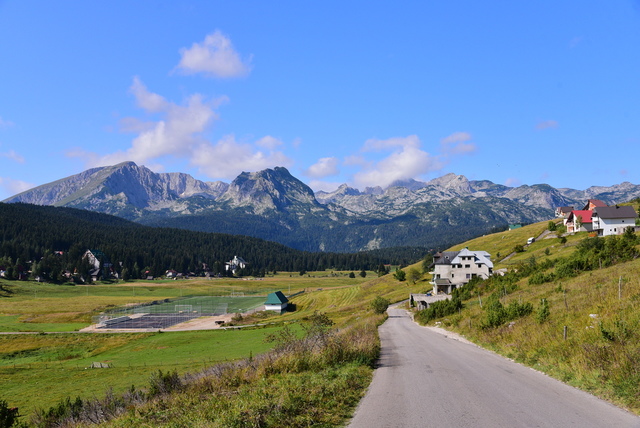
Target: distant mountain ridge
[(272, 204)]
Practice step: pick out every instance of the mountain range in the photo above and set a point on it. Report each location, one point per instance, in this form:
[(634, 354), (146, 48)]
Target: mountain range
[(274, 205)]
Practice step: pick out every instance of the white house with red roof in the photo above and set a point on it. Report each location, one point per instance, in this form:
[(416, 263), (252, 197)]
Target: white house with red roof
[(579, 221)]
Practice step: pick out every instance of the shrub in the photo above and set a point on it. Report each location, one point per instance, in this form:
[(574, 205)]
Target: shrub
[(8, 415), (400, 275), (380, 305), (543, 311), (164, 383), (496, 314), (518, 310), (414, 275), (439, 309)]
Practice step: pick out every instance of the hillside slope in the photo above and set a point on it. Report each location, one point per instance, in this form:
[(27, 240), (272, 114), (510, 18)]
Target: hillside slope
[(570, 309)]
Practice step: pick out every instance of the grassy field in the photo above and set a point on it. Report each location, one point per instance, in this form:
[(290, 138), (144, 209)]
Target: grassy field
[(29, 306), (37, 370)]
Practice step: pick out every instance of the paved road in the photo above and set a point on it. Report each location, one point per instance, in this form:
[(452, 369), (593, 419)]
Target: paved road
[(426, 379)]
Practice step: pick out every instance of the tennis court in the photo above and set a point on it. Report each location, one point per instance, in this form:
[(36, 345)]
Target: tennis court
[(165, 313)]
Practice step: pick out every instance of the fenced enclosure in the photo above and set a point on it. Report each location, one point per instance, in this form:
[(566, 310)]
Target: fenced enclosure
[(165, 313)]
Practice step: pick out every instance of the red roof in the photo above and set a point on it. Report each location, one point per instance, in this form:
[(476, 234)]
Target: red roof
[(584, 214)]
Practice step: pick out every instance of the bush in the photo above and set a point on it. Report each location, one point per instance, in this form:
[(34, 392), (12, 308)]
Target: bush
[(439, 309), (380, 305), (8, 415), (496, 314), (543, 311), (400, 275), (164, 383)]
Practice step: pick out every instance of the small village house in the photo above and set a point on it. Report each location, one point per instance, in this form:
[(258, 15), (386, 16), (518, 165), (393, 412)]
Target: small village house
[(423, 301), (235, 264), (579, 221), (593, 203), (613, 220), (563, 212), (453, 269), (596, 216), (100, 262), (276, 302)]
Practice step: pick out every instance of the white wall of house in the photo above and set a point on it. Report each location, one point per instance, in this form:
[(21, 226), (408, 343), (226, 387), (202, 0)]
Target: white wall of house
[(464, 267), (612, 226)]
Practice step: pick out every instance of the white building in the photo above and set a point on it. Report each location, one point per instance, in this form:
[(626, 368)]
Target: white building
[(453, 269), (613, 220), (276, 302), (235, 264)]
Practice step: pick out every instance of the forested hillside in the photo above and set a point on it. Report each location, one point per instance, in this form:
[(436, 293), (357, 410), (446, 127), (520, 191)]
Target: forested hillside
[(56, 238)]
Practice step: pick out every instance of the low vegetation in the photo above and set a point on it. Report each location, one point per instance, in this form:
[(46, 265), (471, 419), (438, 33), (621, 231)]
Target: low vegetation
[(42, 370), (315, 379), (569, 307)]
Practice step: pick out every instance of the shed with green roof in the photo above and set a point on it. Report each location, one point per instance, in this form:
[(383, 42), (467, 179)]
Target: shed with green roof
[(276, 302)]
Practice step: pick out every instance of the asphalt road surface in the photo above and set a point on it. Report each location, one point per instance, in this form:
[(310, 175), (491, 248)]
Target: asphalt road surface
[(426, 379)]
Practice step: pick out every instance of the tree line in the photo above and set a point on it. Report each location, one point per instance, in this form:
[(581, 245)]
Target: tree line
[(51, 241)]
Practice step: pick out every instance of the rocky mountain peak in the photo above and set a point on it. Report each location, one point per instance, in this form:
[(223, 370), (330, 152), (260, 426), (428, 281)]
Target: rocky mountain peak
[(269, 189), (342, 191)]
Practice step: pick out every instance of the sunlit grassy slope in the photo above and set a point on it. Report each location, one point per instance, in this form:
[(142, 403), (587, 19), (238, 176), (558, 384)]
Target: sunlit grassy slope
[(598, 309)]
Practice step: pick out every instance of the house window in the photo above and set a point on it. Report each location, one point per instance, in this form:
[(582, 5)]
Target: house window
[(467, 266), (468, 275), (453, 275)]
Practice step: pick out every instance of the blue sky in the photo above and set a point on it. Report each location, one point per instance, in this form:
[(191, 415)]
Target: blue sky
[(357, 92)]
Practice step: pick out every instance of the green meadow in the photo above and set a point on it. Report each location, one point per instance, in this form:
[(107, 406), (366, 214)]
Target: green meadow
[(38, 370)]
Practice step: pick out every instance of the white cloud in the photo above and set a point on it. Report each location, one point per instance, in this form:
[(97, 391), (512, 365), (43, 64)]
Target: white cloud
[(377, 145), (179, 132), (269, 142), (13, 187), (512, 182), (406, 161), (5, 123), (457, 144), (356, 160), (547, 124), (323, 168), (456, 137), (147, 100), (228, 158), (326, 186), (11, 154), (214, 57)]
